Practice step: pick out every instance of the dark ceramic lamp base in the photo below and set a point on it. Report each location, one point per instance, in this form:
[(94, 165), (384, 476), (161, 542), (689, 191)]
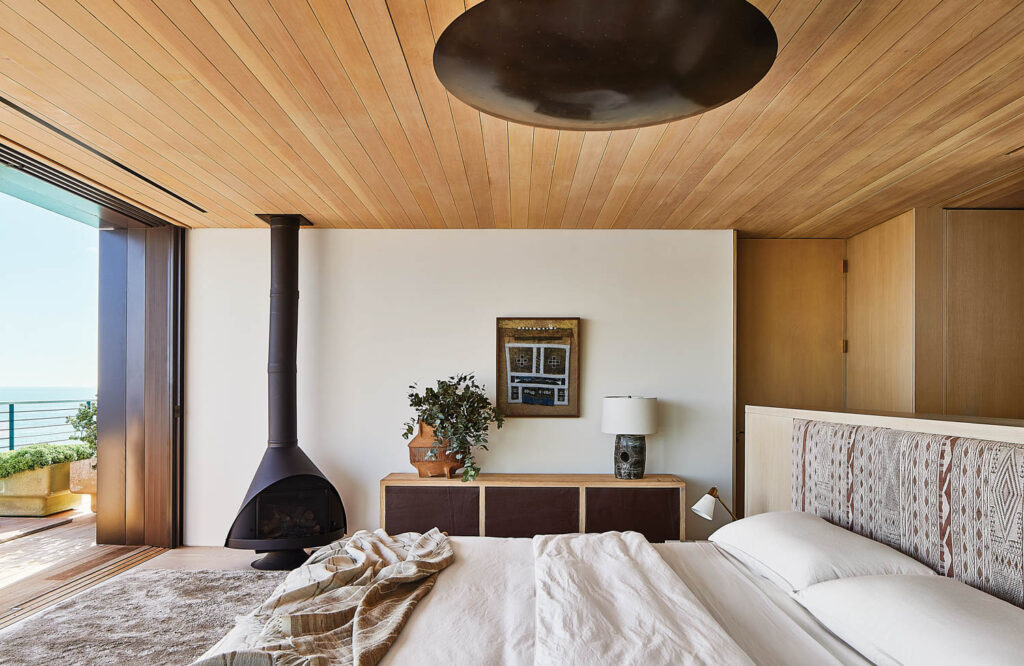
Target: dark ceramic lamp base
[(630, 456)]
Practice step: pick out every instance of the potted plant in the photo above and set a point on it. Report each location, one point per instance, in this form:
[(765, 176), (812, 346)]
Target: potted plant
[(453, 418), (83, 472), (35, 479)]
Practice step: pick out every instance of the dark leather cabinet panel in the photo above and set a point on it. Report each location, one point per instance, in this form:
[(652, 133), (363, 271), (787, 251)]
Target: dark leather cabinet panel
[(515, 511), (654, 512), (417, 509)]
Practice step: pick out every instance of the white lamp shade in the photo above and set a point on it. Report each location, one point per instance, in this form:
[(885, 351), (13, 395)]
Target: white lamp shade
[(705, 507), (626, 415)]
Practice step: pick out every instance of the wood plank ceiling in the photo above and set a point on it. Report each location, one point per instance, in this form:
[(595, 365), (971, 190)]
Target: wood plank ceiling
[(332, 109)]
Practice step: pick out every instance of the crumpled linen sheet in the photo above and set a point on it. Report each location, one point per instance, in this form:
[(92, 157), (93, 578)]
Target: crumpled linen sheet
[(611, 599)]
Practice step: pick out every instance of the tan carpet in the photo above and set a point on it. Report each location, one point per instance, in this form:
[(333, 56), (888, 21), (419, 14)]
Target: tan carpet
[(154, 616)]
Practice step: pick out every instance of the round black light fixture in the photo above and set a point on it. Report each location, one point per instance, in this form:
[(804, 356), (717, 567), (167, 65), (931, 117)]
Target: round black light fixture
[(604, 64)]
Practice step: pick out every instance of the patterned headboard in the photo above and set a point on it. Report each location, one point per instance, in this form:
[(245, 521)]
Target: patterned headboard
[(954, 503)]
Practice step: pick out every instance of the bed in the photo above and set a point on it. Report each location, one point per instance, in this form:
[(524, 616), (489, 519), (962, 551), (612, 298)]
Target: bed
[(919, 561), (493, 607)]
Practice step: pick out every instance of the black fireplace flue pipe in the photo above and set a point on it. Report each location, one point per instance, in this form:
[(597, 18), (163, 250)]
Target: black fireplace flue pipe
[(284, 329)]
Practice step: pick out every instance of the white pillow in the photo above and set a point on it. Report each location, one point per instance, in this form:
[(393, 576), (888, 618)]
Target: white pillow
[(918, 620), (796, 549)]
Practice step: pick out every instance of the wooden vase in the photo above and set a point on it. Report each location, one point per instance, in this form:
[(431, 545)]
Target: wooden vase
[(441, 463)]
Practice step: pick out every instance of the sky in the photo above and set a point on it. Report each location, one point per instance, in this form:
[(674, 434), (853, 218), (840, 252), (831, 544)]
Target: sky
[(48, 297)]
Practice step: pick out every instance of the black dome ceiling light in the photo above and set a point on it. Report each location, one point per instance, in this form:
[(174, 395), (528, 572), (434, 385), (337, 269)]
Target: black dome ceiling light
[(604, 64)]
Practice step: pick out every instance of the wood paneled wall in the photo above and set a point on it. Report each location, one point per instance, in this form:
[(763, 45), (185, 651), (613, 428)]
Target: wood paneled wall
[(790, 320), (929, 310), (936, 314), (880, 311), (984, 286), (139, 430), (934, 317)]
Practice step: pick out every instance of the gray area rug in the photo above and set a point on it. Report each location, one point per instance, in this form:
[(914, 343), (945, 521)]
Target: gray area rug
[(153, 616)]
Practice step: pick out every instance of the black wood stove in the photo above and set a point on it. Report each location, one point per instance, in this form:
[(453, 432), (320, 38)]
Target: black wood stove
[(290, 504)]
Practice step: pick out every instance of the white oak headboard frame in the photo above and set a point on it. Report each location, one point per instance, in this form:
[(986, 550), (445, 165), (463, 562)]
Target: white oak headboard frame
[(768, 445)]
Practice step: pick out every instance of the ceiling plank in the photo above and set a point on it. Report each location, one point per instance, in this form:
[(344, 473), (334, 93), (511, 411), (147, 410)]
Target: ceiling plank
[(520, 163), (567, 156), (333, 110), (214, 70)]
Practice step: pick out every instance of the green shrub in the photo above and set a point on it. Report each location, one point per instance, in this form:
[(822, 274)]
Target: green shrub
[(84, 424), (41, 455)]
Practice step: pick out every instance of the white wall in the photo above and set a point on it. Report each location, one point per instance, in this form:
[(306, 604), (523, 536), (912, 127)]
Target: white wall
[(381, 309)]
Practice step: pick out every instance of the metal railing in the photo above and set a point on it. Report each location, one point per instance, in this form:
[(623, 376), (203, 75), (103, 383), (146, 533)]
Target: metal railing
[(27, 422)]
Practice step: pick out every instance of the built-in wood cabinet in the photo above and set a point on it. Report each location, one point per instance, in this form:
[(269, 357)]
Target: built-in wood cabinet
[(524, 505), (936, 313)]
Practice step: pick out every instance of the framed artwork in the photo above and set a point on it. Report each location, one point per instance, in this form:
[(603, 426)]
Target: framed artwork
[(539, 366)]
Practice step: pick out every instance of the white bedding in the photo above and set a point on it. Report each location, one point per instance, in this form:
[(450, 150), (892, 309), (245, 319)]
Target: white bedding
[(611, 599), (481, 611), (763, 619)]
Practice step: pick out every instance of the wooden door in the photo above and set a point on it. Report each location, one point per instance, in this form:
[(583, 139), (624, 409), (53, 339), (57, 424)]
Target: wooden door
[(790, 320)]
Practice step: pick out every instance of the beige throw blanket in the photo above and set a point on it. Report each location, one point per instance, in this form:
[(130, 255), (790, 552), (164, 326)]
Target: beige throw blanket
[(345, 605)]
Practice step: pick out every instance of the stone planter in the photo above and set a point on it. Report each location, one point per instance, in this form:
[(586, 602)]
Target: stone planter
[(83, 480), (38, 492)]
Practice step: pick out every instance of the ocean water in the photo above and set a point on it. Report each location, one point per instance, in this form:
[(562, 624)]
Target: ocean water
[(37, 423), (20, 393)]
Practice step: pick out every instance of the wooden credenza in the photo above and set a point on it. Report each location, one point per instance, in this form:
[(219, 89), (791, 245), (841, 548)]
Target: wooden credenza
[(523, 505)]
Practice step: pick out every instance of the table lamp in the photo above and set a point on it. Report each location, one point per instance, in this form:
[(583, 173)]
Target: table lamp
[(629, 418)]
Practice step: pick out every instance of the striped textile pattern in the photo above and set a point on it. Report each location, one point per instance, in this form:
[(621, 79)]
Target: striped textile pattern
[(953, 503), (345, 605)]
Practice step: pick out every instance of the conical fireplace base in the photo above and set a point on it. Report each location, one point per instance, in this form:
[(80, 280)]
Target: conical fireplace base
[(281, 560)]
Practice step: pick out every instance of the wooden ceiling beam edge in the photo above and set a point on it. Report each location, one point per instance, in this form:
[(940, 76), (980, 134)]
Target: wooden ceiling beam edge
[(77, 175)]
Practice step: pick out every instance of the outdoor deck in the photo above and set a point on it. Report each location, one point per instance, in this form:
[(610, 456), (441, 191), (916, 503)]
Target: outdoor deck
[(46, 562)]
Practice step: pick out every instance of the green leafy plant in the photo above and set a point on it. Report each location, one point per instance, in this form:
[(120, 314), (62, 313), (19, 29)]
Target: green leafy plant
[(84, 424), (460, 413), (36, 456)]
